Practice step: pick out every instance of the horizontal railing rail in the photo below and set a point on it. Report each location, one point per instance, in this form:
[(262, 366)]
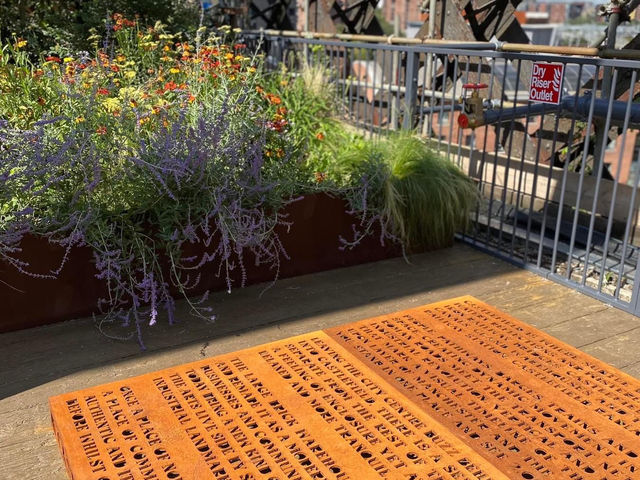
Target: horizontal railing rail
[(499, 46)]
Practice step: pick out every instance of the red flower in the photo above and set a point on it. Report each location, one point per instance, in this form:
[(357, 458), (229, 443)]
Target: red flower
[(101, 130), (103, 91), (238, 46), (170, 86), (53, 59), (277, 125)]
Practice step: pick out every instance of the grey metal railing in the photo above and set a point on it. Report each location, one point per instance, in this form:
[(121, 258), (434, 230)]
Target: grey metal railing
[(558, 183)]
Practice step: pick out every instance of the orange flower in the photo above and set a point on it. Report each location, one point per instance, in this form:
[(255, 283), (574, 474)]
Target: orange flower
[(274, 99), (170, 86), (282, 111), (320, 177), (320, 136), (103, 91), (101, 130), (53, 59)]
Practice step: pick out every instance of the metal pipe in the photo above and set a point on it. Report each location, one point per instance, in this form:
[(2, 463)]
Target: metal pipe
[(529, 48), (579, 106), (501, 47), (391, 39)]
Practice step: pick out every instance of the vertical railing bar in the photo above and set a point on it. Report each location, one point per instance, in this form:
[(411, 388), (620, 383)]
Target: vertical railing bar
[(422, 115), (335, 68), (381, 99), (627, 234), (534, 191), (353, 88), (483, 158), (617, 179), (372, 108), (601, 167), (582, 173), (331, 71), (411, 88), (365, 82), (346, 86), (565, 174), (391, 98), (433, 97), (357, 105), (442, 98), (281, 49), (495, 158), (521, 173), (453, 105), (505, 187), (466, 76)]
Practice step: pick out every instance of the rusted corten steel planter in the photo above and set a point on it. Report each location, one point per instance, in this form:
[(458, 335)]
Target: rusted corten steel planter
[(312, 244), (451, 390)]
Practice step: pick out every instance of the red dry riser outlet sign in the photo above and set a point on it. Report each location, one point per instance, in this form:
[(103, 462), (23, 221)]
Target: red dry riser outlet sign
[(546, 82)]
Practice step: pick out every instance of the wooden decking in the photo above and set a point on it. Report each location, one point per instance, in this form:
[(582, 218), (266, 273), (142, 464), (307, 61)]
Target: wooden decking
[(38, 363)]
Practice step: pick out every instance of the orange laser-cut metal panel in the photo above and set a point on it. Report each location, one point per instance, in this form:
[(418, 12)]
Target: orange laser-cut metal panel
[(531, 405), (453, 390)]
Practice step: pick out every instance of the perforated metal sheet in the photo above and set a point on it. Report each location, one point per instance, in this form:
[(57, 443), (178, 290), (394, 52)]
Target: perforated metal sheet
[(454, 390), (531, 405)]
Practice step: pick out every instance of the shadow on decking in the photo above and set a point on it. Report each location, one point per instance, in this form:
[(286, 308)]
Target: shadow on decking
[(33, 357)]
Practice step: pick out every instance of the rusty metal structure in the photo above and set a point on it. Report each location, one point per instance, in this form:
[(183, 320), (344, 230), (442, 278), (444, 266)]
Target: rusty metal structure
[(451, 390), (343, 16)]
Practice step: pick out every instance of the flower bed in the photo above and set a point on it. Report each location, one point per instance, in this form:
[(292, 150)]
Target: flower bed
[(160, 168), (312, 244)]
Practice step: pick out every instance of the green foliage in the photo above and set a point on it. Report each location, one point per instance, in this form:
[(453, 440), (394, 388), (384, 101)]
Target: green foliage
[(64, 26), (155, 143), (423, 198)]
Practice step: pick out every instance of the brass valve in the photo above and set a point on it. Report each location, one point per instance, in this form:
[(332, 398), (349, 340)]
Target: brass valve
[(472, 106)]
